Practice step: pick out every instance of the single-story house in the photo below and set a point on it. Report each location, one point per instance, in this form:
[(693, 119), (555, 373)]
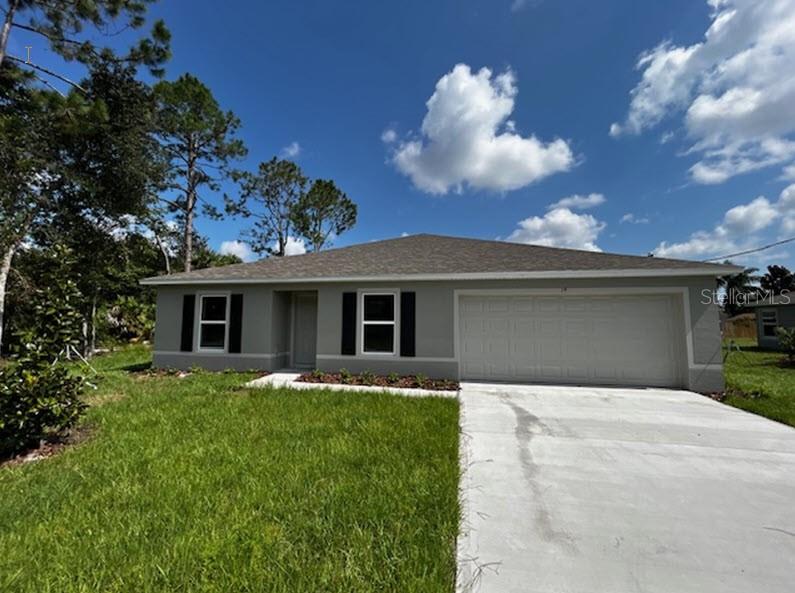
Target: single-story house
[(771, 313), (451, 308)]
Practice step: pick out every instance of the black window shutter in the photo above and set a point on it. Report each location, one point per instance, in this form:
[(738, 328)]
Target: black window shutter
[(188, 306), (235, 323), (408, 323), (348, 323)]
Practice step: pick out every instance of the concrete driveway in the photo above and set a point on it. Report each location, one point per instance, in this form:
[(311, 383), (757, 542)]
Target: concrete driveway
[(601, 490)]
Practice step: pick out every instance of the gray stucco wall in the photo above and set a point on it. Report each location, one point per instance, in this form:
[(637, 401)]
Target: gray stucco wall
[(786, 318), (255, 338), (266, 325)]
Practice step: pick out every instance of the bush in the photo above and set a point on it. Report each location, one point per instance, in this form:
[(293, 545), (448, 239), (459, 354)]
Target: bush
[(38, 396), (130, 319), (36, 403), (786, 338)]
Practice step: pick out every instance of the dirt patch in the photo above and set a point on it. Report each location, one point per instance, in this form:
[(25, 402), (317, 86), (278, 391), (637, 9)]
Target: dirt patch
[(49, 447), (722, 395), (373, 380)]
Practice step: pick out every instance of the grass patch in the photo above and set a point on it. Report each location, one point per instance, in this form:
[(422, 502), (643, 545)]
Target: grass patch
[(757, 381), (194, 484)]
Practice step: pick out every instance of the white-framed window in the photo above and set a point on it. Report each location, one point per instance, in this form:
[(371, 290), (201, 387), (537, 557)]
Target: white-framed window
[(379, 323), (213, 322), (769, 323)]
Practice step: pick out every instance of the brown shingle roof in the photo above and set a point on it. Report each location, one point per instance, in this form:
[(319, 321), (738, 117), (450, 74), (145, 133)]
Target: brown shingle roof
[(435, 255)]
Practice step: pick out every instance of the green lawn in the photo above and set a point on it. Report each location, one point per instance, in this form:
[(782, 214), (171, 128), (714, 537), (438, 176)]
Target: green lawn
[(756, 382), (194, 484)]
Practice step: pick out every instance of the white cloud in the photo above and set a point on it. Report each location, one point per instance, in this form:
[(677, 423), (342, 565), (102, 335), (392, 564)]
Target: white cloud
[(294, 246), (238, 248), (404, 234), (292, 150), (740, 229), (560, 228), (579, 202), (632, 219), (388, 136), (788, 173), (466, 140), (735, 89)]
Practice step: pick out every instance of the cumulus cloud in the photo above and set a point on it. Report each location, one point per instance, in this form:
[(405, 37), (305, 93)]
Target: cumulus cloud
[(560, 227), (632, 219), (292, 150), (238, 248), (579, 202), (293, 247), (466, 138), (740, 229), (735, 89), (388, 136)]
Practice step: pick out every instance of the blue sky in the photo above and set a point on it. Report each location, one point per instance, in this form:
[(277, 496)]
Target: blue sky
[(699, 131)]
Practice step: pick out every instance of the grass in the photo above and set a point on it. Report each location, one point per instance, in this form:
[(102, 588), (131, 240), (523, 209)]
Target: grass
[(194, 484), (756, 382)]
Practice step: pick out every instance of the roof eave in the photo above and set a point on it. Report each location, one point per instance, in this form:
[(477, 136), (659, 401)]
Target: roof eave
[(540, 275)]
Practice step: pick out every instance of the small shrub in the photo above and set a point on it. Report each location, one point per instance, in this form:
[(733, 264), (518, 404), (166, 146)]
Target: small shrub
[(786, 338), (421, 379), (38, 395), (367, 377), (393, 378), (345, 376), (317, 374), (36, 403)]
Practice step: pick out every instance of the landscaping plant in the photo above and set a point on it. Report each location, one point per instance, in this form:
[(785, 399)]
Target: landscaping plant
[(786, 338), (39, 397)]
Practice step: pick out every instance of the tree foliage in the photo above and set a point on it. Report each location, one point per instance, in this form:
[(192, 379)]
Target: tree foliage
[(199, 142), (269, 198), (739, 289), (38, 395), (276, 199), (323, 212), (61, 24), (777, 280)]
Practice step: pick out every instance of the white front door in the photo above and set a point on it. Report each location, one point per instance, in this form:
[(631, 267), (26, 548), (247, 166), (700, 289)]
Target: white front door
[(621, 340), (304, 329)]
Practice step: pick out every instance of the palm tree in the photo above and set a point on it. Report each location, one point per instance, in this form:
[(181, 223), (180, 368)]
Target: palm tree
[(739, 289)]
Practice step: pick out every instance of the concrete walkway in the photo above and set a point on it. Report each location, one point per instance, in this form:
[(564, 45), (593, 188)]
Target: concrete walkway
[(598, 490)]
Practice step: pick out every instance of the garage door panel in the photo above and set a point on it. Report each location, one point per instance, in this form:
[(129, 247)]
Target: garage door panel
[(625, 339)]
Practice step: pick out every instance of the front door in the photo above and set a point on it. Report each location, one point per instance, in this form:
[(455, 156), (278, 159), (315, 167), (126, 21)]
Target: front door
[(304, 329)]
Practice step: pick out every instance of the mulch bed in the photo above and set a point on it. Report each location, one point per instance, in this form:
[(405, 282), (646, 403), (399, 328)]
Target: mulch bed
[(372, 380), (48, 447)]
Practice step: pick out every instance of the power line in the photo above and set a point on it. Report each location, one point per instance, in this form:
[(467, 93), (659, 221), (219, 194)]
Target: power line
[(776, 244)]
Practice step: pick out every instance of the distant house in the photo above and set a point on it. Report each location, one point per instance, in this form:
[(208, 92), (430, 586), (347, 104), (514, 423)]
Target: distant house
[(777, 311), (451, 308)]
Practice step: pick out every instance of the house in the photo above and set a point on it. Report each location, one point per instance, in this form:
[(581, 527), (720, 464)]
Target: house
[(771, 313), (451, 308)]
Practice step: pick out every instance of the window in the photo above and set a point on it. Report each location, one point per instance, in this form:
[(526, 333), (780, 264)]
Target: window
[(769, 323), (212, 323), (378, 323)]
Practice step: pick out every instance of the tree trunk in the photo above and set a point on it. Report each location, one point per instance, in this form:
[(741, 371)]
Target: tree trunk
[(93, 344), (5, 32), (164, 251), (190, 204), (5, 268), (188, 238)]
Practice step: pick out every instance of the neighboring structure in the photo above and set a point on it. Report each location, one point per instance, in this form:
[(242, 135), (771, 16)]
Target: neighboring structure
[(450, 307), (774, 312)]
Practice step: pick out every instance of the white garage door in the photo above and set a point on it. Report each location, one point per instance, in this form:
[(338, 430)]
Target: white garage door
[(623, 340)]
